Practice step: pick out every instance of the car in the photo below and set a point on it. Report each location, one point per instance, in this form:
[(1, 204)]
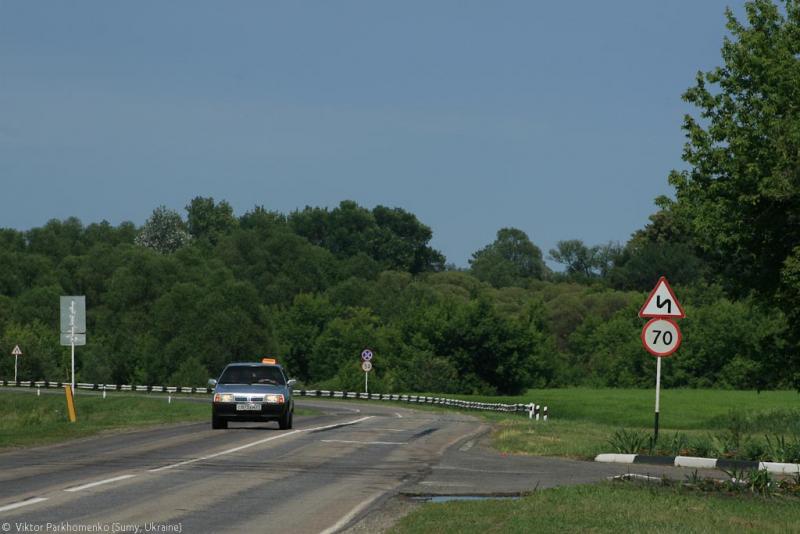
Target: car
[(252, 391)]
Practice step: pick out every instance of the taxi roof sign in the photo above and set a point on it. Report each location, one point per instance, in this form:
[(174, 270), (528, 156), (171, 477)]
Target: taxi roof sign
[(271, 361)]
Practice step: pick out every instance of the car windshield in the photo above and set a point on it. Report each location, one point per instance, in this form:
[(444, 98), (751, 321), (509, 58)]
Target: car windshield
[(249, 374)]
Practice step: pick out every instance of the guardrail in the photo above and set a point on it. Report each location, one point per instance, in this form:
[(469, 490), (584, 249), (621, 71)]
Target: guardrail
[(532, 410)]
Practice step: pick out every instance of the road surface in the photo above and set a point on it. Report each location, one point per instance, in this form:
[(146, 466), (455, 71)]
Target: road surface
[(328, 473)]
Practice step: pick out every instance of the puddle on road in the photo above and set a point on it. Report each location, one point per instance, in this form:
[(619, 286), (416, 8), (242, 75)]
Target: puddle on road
[(448, 498)]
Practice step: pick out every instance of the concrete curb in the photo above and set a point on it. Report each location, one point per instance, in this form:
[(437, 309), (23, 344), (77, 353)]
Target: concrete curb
[(699, 463)]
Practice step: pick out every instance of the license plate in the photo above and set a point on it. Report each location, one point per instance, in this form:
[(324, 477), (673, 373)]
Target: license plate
[(248, 407)]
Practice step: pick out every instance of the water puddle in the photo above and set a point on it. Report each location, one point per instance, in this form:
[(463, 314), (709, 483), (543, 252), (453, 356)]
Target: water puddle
[(449, 498)]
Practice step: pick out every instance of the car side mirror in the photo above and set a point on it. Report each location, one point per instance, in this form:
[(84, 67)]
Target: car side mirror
[(212, 382), (291, 382)]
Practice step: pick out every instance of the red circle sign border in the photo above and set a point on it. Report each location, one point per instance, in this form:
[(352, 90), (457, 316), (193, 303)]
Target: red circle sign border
[(664, 354)]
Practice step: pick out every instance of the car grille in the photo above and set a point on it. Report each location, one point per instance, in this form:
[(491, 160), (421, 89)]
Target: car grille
[(242, 398)]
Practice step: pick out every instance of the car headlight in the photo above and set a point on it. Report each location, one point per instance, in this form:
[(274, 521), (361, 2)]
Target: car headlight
[(274, 399), (223, 397)]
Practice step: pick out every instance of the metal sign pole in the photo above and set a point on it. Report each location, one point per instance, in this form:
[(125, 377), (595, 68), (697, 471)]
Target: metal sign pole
[(15, 368), (366, 383), (73, 359), (658, 394)]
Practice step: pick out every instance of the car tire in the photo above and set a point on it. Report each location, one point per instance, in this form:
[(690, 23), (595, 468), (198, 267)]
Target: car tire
[(218, 423), (285, 422)]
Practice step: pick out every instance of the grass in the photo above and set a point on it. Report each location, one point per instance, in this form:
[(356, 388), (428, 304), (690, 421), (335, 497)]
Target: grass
[(608, 507), (583, 421), (684, 409), (29, 420)]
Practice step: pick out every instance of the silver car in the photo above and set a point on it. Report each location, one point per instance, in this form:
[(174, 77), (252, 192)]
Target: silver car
[(252, 392)]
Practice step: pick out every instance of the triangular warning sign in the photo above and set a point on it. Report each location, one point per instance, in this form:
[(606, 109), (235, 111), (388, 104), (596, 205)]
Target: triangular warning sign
[(662, 302), (17, 351)]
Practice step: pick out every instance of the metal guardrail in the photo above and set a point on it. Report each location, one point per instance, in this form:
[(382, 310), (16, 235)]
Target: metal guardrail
[(531, 409)]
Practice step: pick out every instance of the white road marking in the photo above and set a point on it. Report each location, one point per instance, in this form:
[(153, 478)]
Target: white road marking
[(253, 444), (351, 514), (100, 483), (364, 442), (20, 504), (390, 429), (398, 415)]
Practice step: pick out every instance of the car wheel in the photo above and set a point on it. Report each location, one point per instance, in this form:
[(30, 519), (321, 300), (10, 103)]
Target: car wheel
[(218, 423), (285, 422)]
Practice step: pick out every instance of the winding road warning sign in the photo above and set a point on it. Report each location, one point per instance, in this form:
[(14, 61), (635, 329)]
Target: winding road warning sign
[(662, 302)]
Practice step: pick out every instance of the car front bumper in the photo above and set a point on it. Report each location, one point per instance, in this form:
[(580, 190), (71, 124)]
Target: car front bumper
[(267, 412)]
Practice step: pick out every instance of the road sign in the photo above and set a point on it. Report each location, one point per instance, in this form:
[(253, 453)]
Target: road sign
[(73, 315), (16, 353), (68, 339), (661, 337), (662, 302), (366, 366), (366, 355), (73, 325)]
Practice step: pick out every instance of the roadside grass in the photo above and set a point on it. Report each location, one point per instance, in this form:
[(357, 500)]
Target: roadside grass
[(583, 422), (607, 507), (28, 420)]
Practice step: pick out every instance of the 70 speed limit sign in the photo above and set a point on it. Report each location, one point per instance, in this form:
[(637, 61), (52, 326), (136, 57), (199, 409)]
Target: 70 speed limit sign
[(661, 337)]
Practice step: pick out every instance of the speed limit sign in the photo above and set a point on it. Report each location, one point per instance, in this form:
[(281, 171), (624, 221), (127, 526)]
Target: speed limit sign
[(661, 337), (366, 366)]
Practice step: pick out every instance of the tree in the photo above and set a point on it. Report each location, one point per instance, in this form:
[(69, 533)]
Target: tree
[(664, 247), (402, 241), (741, 193), (164, 231), (512, 259), (207, 219), (576, 257), (392, 237)]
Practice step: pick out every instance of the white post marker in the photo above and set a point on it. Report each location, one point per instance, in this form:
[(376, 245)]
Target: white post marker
[(661, 336), (17, 352)]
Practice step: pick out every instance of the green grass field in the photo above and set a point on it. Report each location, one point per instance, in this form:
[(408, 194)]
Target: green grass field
[(582, 420), (30, 420), (608, 507), (683, 409)]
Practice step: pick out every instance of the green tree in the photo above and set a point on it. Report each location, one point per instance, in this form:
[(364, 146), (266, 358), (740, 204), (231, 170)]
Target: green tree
[(208, 220), (164, 231), (741, 193), (512, 259), (578, 259)]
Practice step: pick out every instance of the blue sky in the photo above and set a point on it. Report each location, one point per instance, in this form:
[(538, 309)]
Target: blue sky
[(558, 118)]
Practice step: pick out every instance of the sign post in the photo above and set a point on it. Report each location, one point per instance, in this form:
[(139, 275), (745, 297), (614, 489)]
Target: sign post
[(366, 366), (73, 326), (661, 336), (17, 352)]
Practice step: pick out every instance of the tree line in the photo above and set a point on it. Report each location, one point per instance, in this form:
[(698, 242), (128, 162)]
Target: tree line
[(174, 300)]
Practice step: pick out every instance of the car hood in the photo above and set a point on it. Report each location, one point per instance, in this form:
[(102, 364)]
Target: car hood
[(249, 388)]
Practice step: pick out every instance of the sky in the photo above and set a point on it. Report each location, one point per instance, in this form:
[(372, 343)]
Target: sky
[(562, 119)]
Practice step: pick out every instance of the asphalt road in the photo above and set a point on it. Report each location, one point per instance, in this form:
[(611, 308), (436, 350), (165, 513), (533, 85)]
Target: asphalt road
[(318, 477), (327, 474)]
